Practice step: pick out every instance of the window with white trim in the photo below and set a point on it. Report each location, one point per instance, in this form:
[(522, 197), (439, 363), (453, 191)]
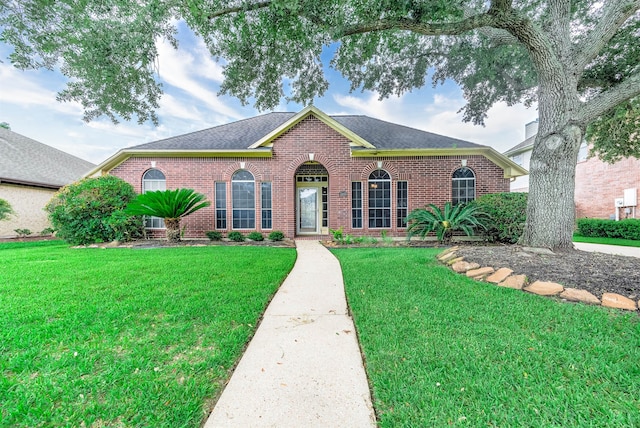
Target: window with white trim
[(356, 205), (221, 205), (153, 180), (266, 205), (243, 200), (379, 199), (463, 189), (402, 203)]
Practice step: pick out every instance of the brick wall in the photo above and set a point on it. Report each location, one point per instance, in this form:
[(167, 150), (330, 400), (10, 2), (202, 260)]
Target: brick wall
[(598, 184), (429, 178)]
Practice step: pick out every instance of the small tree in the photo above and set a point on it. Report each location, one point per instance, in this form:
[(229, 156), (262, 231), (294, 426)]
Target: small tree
[(91, 210), (171, 205), (5, 209), (422, 221)]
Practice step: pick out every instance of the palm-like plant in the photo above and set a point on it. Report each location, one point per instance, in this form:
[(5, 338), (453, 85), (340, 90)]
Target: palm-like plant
[(445, 222), (171, 205)]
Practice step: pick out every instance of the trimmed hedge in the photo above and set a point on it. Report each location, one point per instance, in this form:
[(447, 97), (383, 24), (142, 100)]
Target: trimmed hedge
[(598, 228), (507, 212)]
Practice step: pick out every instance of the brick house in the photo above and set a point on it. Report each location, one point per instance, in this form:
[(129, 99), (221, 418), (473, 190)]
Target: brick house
[(305, 173), (598, 184)]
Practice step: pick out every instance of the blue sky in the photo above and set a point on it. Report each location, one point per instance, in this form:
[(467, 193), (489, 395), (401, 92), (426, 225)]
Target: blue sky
[(191, 79)]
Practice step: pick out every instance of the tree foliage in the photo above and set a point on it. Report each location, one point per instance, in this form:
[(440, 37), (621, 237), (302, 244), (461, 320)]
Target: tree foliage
[(171, 205), (92, 210), (5, 209), (616, 134)]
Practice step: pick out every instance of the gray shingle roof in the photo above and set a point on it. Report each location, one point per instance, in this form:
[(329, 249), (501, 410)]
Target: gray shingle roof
[(243, 133), (23, 160), (521, 147)]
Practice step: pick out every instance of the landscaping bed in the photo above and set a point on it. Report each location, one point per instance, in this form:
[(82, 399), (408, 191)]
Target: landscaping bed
[(595, 272)]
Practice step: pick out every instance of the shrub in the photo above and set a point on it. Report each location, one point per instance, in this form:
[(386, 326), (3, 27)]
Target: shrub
[(214, 235), (22, 233), (444, 222), (47, 231), (236, 236), (507, 213), (256, 236), (5, 209), (276, 235), (598, 228), (91, 210)]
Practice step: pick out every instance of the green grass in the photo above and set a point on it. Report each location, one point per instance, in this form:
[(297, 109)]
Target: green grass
[(607, 241), (122, 337), (443, 350)]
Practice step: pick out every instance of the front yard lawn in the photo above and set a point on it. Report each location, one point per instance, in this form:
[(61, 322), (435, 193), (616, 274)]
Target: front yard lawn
[(443, 350), (122, 337)]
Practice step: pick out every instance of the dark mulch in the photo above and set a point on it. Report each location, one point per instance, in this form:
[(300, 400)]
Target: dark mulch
[(595, 272)]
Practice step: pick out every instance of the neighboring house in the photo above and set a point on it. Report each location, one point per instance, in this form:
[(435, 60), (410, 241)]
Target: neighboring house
[(306, 173), (30, 173), (598, 184)]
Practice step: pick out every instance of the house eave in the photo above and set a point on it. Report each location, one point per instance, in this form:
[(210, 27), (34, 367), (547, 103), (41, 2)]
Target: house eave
[(125, 154), (510, 168), (30, 183)]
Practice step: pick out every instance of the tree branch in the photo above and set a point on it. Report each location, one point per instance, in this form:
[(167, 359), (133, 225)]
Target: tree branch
[(616, 13), (229, 10), (605, 101), (424, 28)]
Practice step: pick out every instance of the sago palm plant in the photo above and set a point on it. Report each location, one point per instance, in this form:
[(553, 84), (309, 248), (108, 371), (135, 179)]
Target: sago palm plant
[(171, 205), (444, 222)]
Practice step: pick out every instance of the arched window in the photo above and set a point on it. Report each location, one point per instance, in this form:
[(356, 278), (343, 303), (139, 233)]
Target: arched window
[(379, 199), (243, 200), (463, 186), (153, 179)]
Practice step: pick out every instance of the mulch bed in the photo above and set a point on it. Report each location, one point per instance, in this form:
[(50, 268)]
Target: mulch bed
[(595, 272)]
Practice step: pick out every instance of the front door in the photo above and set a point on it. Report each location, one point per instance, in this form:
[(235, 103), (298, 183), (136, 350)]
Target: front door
[(308, 221)]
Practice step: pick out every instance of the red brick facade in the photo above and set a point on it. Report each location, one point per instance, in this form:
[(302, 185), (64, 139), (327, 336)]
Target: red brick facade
[(598, 184), (429, 178)]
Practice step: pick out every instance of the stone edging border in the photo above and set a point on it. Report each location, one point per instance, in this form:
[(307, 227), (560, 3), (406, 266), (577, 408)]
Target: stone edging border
[(504, 277)]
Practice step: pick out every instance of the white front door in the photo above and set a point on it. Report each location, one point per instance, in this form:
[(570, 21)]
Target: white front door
[(308, 221)]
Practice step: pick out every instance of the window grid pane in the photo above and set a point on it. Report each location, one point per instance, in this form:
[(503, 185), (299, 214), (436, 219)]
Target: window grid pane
[(463, 186), (266, 205), (402, 204), (356, 205), (153, 180), (243, 200), (379, 199), (221, 205)]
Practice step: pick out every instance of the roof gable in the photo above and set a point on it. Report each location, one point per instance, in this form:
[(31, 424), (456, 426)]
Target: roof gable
[(311, 110)]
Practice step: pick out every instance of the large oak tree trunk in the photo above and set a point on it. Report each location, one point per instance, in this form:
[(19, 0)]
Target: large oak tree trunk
[(551, 206)]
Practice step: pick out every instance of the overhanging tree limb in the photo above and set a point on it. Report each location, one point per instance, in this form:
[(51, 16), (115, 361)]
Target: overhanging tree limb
[(615, 14), (607, 100)]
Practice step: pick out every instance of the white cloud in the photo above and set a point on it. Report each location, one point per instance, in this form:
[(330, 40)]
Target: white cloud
[(180, 69)]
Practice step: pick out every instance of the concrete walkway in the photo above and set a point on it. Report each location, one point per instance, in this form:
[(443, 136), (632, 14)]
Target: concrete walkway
[(608, 249), (303, 367)]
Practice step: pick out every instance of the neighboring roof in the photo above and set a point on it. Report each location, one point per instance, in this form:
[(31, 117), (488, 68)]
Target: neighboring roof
[(29, 162), (253, 137), (522, 147)]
